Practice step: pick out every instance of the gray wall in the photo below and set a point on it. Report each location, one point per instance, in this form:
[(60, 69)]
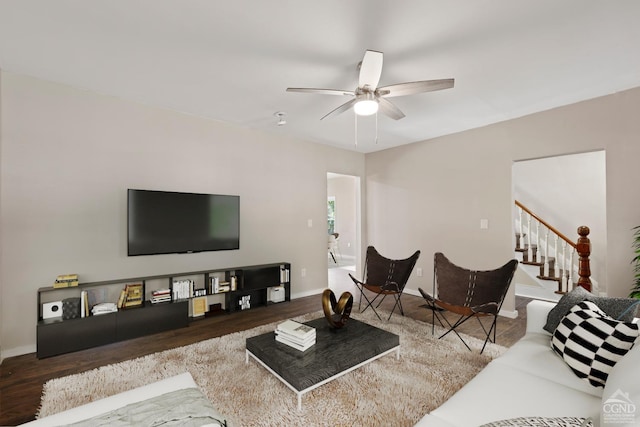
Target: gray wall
[(68, 156), (1, 224), (431, 195)]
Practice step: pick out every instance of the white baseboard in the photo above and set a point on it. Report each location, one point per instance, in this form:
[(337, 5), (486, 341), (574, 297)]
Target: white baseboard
[(511, 314), (18, 351), (308, 293), (412, 292)]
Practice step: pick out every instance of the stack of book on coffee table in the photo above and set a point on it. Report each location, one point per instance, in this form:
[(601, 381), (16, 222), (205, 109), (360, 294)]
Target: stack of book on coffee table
[(296, 335)]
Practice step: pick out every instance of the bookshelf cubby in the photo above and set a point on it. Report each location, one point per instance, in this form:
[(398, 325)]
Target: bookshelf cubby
[(252, 283)]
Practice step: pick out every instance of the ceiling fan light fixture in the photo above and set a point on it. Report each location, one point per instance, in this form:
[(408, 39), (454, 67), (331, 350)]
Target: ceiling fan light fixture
[(366, 105), (368, 98)]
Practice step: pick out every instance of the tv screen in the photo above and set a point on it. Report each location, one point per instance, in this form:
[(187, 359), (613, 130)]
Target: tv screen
[(162, 222)]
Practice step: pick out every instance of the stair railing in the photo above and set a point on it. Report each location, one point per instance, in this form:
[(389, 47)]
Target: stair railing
[(531, 252)]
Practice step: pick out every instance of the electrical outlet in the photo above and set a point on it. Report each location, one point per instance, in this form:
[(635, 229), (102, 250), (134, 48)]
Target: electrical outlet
[(303, 272), (419, 272)]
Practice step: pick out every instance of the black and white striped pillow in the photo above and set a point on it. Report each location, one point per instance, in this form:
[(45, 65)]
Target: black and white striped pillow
[(542, 422), (591, 342)]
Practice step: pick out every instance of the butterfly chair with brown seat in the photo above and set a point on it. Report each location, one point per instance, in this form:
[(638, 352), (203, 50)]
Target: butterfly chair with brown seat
[(467, 293), (383, 277)]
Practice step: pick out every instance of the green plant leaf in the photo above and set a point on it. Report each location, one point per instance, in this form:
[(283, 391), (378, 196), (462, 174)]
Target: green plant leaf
[(635, 288)]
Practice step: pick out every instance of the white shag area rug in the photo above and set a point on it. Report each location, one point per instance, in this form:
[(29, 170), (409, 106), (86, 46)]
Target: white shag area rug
[(387, 391)]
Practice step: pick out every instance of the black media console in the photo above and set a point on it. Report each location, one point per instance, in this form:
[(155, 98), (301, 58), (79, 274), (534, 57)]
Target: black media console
[(251, 284)]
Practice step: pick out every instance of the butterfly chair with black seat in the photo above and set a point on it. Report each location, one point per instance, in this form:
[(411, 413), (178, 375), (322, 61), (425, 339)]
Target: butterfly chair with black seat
[(467, 293), (383, 277)]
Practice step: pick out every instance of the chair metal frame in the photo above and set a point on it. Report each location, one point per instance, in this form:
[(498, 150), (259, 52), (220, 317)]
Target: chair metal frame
[(474, 303), (334, 247), (388, 277)]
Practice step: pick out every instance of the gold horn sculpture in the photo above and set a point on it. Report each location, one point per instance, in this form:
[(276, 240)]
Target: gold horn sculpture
[(336, 313)]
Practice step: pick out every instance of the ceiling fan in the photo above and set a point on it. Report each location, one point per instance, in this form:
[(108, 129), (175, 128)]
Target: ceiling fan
[(368, 97)]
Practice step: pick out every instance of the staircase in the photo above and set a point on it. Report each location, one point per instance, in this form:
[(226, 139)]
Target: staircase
[(550, 263), (531, 280)]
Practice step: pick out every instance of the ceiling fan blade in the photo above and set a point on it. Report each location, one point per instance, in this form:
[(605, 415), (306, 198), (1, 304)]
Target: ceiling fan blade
[(341, 109), (370, 69), (402, 89), (389, 109), (321, 91)]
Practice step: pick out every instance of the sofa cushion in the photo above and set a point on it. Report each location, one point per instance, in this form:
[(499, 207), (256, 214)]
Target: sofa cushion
[(501, 392), (621, 394), (542, 422), (618, 308), (537, 313), (591, 342), (533, 354), (433, 421)]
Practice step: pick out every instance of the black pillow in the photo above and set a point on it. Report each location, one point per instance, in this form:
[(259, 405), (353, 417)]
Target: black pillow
[(619, 308)]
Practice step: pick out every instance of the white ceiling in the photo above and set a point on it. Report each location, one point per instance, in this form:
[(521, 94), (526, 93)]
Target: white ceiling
[(232, 60)]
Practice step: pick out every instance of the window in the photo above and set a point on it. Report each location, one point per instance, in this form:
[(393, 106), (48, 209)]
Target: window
[(331, 214)]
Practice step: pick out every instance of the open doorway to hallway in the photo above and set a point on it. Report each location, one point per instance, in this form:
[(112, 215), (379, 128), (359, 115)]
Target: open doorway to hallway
[(343, 230), (565, 192)]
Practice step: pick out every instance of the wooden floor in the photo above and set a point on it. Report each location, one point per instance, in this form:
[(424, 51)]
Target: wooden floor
[(22, 377)]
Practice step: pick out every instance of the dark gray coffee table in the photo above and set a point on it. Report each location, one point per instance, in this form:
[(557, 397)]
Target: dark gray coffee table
[(335, 353)]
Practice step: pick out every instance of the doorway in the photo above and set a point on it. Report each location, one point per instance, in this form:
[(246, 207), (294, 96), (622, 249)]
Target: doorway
[(343, 230), (567, 191)]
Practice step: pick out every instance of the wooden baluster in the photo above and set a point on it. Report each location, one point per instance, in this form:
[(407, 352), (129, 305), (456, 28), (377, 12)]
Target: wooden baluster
[(529, 250), (546, 254), (537, 255), (520, 237), (570, 275), (563, 279), (583, 247), (556, 265)]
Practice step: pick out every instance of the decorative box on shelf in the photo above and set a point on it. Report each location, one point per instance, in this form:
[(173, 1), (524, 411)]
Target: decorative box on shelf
[(276, 294), (244, 302), (66, 281), (199, 306)]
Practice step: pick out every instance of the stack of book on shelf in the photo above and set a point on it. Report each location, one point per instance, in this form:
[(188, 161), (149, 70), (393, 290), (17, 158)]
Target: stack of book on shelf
[(66, 280), (296, 335), (217, 286), (84, 304), (104, 308), (224, 287), (161, 295), (131, 296), (183, 289), (284, 274)]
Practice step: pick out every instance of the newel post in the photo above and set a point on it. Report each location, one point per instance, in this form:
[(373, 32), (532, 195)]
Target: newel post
[(583, 247)]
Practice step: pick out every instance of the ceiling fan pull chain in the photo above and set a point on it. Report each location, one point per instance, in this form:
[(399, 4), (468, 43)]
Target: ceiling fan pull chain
[(376, 128), (355, 117)]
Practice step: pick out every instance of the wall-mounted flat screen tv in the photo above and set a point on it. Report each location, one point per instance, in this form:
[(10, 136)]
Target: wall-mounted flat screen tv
[(162, 222)]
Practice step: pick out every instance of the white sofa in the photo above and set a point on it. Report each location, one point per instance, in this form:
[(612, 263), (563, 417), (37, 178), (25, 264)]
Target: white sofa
[(530, 380), (121, 400)]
